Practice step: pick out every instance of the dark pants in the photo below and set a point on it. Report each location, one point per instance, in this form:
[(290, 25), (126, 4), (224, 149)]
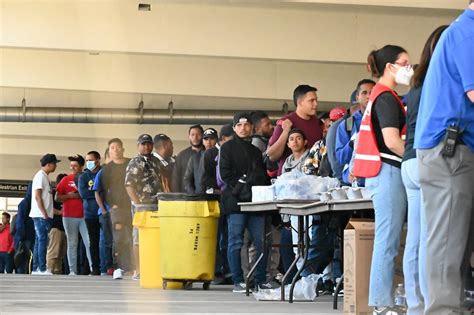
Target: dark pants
[(93, 229), (222, 265), (237, 223), (106, 231), (286, 251), (6, 262)]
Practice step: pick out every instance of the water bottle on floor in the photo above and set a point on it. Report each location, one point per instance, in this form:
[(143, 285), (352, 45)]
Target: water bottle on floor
[(400, 299)]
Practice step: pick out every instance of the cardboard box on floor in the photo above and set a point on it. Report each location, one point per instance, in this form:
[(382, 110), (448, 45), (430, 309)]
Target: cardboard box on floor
[(358, 246)]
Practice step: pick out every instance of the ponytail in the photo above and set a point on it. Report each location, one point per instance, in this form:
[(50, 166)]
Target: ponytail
[(378, 59)]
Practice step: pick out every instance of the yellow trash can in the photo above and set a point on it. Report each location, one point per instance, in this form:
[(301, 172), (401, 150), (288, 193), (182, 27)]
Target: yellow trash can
[(188, 237), (148, 224)]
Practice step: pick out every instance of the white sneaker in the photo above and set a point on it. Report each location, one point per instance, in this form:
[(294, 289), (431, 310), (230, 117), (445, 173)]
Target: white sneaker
[(118, 274), (46, 273), (72, 273)]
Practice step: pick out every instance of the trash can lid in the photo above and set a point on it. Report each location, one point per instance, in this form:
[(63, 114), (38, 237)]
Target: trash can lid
[(186, 197)]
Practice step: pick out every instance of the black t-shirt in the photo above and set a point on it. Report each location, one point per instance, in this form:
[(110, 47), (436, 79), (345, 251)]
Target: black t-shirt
[(113, 184), (413, 104), (386, 113)]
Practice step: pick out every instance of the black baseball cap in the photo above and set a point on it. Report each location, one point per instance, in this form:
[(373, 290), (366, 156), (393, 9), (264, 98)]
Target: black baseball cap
[(77, 158), (241, 117), (297, 130), (226, 131), (49, 158), (210, 133), (145, 138)]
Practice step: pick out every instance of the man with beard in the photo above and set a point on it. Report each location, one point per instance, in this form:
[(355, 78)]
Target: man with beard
[(195, 139)]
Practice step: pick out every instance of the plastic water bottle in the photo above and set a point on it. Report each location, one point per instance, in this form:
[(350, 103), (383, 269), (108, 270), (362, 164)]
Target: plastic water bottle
[(400, 298)]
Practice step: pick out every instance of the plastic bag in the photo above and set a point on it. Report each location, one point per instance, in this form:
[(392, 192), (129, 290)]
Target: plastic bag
[(305, 290), (263, 193), (296, 185)]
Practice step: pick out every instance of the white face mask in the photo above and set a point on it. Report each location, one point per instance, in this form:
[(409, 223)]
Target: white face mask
[(404, 74)]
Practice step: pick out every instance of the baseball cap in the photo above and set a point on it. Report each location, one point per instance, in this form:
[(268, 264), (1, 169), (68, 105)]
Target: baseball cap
[(210, 133), (226, 131), (145, 138), (353, 97), (241, 118), (49, 158), (77, 158), (337, 113)]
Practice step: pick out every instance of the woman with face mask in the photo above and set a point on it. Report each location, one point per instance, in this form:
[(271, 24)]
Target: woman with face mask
[(378, 159)]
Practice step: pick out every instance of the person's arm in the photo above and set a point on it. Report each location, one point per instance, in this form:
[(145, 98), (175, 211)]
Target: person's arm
[(39, 201), (344, 145), (61, 195), (275, 151), (11, 248), (462, 57), (132, 194), (188, 179), (82, 188), (100, 202), (391, 137), (227, 170)]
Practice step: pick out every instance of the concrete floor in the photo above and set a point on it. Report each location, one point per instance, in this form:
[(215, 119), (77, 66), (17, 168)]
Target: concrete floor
[(92, 295)]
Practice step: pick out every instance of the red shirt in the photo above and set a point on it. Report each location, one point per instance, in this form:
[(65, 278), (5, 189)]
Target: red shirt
[(6, 240), (72, 208), (311, 128)]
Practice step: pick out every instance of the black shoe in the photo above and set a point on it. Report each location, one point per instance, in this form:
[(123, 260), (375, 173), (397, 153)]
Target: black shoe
[(95, 272), (328, 287)]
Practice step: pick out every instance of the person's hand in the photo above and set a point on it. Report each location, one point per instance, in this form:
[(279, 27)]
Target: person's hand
[(286, 125), (104, 212)]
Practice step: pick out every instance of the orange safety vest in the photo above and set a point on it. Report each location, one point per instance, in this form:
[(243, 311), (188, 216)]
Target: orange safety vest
[(367, 162)]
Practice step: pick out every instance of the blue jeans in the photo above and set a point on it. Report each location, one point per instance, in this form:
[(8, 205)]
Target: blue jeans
[(6, 262), (42, 227), (389, 199), (323, 235), (106, 242), (74, 226), (414, 264), (237, 223)]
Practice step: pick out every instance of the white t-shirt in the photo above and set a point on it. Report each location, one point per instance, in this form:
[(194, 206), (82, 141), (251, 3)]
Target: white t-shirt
[(41, 181)]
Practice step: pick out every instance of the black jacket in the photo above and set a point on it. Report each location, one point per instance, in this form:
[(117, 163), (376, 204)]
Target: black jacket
[(236, 158), (180, 169), (193, 175), (209, 179)]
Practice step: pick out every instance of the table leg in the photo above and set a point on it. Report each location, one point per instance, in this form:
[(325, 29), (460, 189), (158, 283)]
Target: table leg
[(303, 248)]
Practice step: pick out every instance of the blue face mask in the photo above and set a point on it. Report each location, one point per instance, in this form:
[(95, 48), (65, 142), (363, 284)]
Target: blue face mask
[(90, 165)]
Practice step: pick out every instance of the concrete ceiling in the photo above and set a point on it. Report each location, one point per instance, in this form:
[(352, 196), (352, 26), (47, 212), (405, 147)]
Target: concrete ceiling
[(217, 55)]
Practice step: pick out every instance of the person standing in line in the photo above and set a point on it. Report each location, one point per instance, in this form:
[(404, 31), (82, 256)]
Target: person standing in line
[(57, 246), (143, 183), (91, 208), (195, 140), (42, 212), (73, 213), (114, 205), (6, 245), (444, 143), (164, 152), (378, 159)]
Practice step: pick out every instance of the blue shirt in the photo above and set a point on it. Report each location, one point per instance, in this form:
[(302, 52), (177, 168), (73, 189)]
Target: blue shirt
[(331, 150), (344, 147), (450, 76), (96, 187)]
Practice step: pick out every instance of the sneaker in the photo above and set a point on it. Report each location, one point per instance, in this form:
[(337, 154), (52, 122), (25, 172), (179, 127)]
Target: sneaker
[(46, 273), (328, 287), (103, 274), (36, 272), (118, 274), (136, 276), (95, 272), (110, 272), (72, 273), (268, 286), (385, 310), (240, 288)]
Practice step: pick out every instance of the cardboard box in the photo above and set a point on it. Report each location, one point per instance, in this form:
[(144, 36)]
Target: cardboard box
[(358, 246)]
